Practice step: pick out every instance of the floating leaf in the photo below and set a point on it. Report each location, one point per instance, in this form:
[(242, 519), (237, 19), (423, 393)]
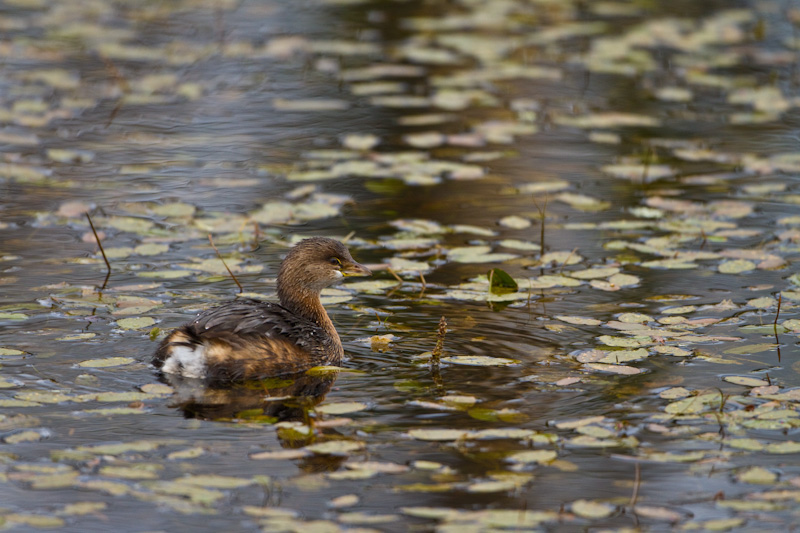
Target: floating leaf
[(39, 521), (360, 141), (672, 350), (591, 509), (674, 94), (757, 474), (44, 396), (681, 310), (532, 456), (138, 471), (136, 323), (157, 388), (640, 173), (151, 249), (311, 105), (188, 453), (751, 348), (438, 434), (25, 436), (674, 393), (694, 404), (746, 381), (746, 444), (515, 222), (82, 508), (477, 254), (519, 245), (607, 120), (340, 408), (614, 369), (500, 282), (593, 273), (75, 337), (106, 362), (335, 447), (657, 513), (479, 360), (783, 447), (579, 320), (582, 202), (736, 266), (281, 455), (13, 316)]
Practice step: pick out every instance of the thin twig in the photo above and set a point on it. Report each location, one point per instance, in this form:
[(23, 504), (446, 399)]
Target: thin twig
[(567, 259), (542, 215), (241, 290), (637, 481), (393, 273), (256, 235), (123, 85), (103, 252), (775, 325)]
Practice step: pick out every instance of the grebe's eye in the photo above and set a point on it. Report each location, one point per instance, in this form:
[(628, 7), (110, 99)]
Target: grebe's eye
[(335, 261)]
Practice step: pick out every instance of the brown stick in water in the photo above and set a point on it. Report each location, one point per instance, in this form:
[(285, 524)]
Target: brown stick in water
[(225, 264), (103, 252)]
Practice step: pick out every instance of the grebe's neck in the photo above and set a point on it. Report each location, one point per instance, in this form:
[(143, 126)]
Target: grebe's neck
[(306, 303)]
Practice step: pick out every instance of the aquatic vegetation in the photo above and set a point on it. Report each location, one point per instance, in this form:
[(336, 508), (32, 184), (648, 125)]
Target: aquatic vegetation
[(596, 204)]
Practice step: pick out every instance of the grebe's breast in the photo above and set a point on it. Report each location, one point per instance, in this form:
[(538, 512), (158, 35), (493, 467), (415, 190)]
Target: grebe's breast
[(244, 340)]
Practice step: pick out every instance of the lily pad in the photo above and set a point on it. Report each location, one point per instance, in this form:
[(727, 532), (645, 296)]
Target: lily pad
[(438, 434), (532, 456), (106, 362), (340, 408), (136, 323), (479, 360)]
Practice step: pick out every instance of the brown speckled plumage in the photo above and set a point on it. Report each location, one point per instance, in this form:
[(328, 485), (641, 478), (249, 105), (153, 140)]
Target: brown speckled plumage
[(249, 339)]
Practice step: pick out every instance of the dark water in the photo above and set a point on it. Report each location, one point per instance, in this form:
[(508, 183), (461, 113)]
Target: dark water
[(227, 149)]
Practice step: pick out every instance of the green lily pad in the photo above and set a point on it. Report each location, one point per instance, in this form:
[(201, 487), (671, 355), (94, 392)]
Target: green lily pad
[(136, 323), (106, 362), (532, 456), (592, 509), (335, 447), (746, 381), (340, 408), (438, 434), (501, 282), (736, 266)]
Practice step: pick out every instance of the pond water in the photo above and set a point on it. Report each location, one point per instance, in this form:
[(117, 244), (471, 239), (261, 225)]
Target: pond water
[(633, 167)]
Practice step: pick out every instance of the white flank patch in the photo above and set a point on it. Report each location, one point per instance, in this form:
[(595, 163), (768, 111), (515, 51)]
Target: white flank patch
[(186, 361)]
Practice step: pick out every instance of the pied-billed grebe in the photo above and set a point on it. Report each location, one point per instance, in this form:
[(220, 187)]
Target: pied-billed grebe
[(249, 339)]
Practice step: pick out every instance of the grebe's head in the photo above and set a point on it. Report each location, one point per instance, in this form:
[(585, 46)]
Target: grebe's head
[(316, 263)]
